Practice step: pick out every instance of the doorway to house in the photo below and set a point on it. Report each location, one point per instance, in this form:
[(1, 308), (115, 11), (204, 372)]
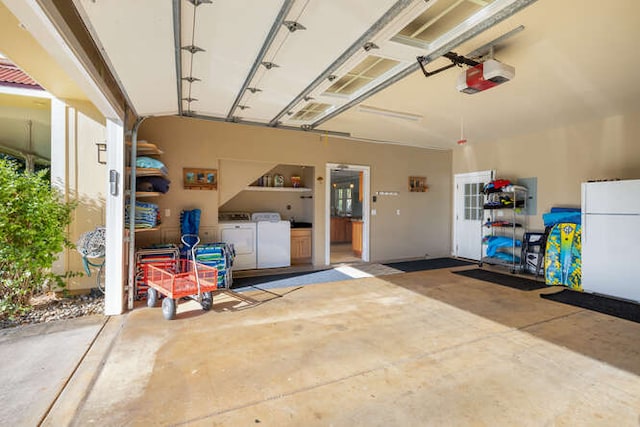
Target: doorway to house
[(347, 213), (468, 201)]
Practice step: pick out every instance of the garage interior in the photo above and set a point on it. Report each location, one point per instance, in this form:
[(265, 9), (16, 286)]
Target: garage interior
[(249, 89)]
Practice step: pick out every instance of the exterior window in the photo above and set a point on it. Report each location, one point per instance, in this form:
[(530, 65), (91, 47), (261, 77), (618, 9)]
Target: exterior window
[(311, 111), (361, 75), (344, 200)]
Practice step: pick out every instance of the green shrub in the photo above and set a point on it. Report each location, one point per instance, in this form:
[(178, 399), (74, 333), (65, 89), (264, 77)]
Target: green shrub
[(33, 222)]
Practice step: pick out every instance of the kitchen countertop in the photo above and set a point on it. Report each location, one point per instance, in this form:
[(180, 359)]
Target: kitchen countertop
[(296, 224)]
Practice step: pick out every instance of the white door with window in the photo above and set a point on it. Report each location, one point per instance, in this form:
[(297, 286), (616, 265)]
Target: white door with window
[(468, 201)]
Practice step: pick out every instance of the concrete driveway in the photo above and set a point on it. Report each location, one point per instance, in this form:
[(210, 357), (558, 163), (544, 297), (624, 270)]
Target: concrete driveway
[(37, 362), (424, 348)]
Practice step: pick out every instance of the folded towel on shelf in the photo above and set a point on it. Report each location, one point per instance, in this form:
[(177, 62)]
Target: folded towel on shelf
[(150, 163), (152, 183), (146, 215)]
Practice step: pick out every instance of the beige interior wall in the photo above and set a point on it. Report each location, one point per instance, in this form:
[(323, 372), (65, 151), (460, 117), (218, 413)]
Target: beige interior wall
[(229, 188), (560, 158), (423, 226)]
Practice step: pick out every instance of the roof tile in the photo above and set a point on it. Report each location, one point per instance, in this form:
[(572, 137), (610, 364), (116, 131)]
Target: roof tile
[(11, 75)]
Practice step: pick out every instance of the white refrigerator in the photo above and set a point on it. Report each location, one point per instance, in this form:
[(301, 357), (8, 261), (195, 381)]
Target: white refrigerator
[(611, 238)]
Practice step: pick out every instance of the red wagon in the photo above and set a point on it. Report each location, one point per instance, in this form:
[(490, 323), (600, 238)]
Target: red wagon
[(194, 280)]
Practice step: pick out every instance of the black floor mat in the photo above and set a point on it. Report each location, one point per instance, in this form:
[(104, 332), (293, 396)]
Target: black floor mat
[(287, 280), (516, 282), (428, 264), (613, 307)]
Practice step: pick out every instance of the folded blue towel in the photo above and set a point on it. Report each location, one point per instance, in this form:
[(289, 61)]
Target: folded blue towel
[(146, 215), (149, 162)]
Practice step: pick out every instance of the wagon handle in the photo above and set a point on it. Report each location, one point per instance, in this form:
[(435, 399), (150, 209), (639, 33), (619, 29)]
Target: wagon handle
[(193, 257)]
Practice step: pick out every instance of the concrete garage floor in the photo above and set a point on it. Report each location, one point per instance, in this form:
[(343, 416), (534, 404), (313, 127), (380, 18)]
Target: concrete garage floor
[(424, 348)]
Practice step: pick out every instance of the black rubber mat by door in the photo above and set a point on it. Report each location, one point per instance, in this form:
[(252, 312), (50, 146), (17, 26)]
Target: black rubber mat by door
[(428, 264), (516, 282), (613, 307)]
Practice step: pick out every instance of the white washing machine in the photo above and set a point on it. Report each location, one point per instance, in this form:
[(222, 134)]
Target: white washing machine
[(238, 229), (273, 240)]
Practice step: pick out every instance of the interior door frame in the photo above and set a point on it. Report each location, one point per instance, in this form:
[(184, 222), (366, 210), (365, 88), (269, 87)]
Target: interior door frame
[(456, 204), (366, 170)]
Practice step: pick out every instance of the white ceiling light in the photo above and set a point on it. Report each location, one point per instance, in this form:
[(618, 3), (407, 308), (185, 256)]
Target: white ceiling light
[(389, 113)]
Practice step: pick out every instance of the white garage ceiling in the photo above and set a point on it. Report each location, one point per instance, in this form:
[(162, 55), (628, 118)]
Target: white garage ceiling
[(316, 63)]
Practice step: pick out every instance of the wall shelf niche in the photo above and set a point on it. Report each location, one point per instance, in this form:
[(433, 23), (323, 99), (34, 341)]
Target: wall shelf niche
[(277, 189)]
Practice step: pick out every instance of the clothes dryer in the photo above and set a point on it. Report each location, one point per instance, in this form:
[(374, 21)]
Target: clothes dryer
[(273, 240)]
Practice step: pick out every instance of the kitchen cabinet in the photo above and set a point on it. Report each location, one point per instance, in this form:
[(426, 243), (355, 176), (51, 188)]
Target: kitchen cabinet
[(340, 229), (356, 237), (300, 245)]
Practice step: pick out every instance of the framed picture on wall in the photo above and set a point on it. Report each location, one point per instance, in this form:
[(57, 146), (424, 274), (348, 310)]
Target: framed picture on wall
[(418, 184), (200, 179)]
